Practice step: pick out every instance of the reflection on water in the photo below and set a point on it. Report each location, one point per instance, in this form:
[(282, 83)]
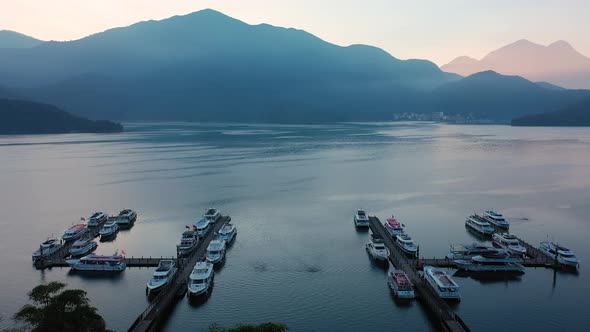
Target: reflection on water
[(292, 192), (489, 277)]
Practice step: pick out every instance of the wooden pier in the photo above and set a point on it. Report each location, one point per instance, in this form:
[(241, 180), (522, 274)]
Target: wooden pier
[(149, 319), (445, 318)]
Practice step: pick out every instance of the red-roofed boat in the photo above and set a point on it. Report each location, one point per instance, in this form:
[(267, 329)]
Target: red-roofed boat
[(400, 284), (394, 227)]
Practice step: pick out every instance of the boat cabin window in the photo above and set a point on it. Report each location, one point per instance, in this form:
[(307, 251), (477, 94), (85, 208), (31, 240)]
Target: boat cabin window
[(198, 281)]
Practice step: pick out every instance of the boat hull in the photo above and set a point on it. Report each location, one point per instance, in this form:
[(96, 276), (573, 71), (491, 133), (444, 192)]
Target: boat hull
[(75, 265), (82, 252), (195, 292)]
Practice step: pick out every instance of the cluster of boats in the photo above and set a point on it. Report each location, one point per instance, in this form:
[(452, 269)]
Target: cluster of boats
[(395, 230), (79, 237), (438, 279), (487, 222), (201, 277)]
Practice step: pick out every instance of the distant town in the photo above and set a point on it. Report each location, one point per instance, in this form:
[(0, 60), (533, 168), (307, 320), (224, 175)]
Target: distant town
[(468, 118)]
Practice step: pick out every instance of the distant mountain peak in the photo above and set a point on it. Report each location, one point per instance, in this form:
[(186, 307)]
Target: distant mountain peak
[(561, 44), (13, 39)]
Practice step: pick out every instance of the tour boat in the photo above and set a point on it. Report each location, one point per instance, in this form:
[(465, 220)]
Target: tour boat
[(500, 262), (510, 243), (470, 250), (565, 256), (212, 215), (188, 242), (228, 233), (200, 279), (394, 227), (361, 219), (442, 283), (126, 217), (496, 219), (479, 224), (109, 230), (96, 219), (164, 273), (112, 263), (406, 244), (400, 284), (82, 247), (376, 248), (202, 227), (215, 251), (47, 248), (75, 232)]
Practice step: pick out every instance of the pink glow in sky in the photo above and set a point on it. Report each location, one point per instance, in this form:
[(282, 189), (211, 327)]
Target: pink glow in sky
[(434, 30)]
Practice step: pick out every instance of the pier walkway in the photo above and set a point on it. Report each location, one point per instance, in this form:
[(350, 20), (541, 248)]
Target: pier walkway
[(445, 317), (149, 318)]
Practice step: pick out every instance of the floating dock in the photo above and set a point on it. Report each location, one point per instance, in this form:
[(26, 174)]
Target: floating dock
[(444, 316), (149, 319)]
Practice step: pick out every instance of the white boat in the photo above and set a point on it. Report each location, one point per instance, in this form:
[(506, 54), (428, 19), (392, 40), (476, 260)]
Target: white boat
[(215, 251), (501, 262), (212, 215), (400, 284), (376, 248), (188, 242), (565, 256), (442, 283), (393, 226), (113, 263), (82, 247), (164, 273), (496, 219), (96, 219), (361, 219), (471, 250), (75, 232), (406, 244), (228, 233), (510, 243), (479, 224), (126, 217), (47, 248), (200, 279), (202, 227), (109, 229)]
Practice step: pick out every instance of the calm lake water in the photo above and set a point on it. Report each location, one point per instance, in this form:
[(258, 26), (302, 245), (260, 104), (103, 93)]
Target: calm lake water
[(292, 191)]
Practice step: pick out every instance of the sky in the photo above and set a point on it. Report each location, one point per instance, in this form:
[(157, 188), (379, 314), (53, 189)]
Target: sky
[(437, 30)]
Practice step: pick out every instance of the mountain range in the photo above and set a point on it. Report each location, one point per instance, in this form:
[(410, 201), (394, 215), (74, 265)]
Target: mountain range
[(577, 114), (206, 66), (12, 39), (558, 63)]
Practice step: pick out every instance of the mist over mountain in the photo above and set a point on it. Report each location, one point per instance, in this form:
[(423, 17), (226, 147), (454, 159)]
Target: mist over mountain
[(12, 39), (207, 66), (558, 63)]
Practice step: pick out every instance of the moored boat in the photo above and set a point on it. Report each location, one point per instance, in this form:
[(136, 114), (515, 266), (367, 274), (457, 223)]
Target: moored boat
[(212, 214), (501, 262), (200, 279), (496, 219), (400, 284), (228, 233), (96, 219), (82, 247), (510, 243), (215, 251), (479, 224), (109, 230), (202, 227), (406, 244), (376, 248), (126, 217), (442, 283), (393, 226), (188, 242), (93, 262), (47, 248), (75, 232), (361, 219), (564, 256), (163, 274), (471, 250)]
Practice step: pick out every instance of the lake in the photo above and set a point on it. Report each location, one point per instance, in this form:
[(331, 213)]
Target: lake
[(292, 192)]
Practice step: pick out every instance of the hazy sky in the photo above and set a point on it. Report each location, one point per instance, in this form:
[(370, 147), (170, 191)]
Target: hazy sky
[(438, 30)]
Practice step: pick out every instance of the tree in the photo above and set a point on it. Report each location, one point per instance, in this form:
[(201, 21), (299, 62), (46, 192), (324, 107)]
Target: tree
[(264, 327), (56, 309)]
